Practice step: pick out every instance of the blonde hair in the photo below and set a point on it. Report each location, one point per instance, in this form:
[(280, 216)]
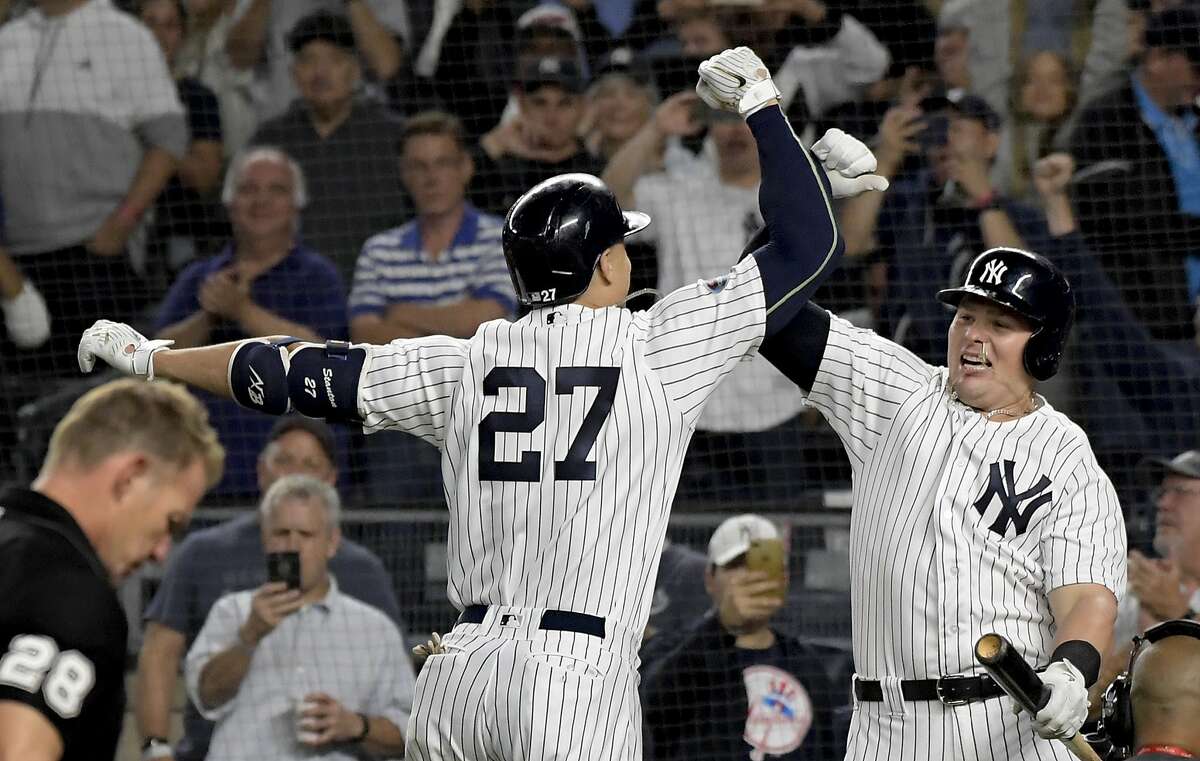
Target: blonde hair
[(159, 418)]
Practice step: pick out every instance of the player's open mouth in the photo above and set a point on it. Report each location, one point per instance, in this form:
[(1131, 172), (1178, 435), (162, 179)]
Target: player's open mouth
[(974, 360)]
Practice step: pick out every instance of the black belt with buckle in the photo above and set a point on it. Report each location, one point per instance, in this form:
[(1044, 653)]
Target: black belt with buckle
[(552, 620), (953, 690)]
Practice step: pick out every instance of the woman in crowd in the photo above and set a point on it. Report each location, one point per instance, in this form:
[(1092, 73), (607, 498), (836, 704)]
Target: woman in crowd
[(1044, 97)]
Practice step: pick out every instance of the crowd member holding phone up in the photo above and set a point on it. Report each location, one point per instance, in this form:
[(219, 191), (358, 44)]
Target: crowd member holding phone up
[(228, 557), (736, 686), (295, 668)]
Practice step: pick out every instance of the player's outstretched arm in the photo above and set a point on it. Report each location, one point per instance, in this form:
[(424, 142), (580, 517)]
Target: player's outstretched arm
[(281, 374), (795, 193), (275, 375)]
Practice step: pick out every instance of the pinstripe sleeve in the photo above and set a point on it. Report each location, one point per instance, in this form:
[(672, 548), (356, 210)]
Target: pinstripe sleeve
[(697, 334), (1085, 542), (862, 381), (408, 385)]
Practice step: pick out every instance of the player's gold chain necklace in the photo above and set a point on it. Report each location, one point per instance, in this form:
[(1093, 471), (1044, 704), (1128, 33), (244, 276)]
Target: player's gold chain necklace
[(1014, 411)]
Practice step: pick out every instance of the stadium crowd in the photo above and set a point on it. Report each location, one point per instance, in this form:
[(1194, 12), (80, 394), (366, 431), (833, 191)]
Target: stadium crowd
[(210, 170), (315, 168)]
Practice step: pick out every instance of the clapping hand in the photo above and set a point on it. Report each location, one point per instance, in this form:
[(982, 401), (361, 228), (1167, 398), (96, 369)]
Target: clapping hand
[(1158, 584)]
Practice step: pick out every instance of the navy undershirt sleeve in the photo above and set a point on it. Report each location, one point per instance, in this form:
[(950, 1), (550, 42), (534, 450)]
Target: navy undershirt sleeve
[(795, 200), (797, 348)]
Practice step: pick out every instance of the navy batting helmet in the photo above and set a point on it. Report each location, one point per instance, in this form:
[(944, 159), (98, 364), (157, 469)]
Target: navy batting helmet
[(555, 233), (1034, 288)]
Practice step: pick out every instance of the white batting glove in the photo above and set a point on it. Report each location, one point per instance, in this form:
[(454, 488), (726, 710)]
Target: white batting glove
[(120, 346), (736, 80), (848, 163), (1067, 708), (434, 646)]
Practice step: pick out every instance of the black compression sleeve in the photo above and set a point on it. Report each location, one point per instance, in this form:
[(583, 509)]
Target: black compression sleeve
[(794, 197), (797, 348)]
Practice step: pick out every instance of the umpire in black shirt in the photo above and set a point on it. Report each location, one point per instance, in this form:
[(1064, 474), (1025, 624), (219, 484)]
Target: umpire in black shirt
[(125, 469)]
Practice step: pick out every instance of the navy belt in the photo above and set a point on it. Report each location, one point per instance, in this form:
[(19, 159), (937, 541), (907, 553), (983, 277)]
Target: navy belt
[(954, 690), (552, 620)]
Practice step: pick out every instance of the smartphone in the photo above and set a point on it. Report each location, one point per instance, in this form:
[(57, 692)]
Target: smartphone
[(285, 567), (766, 555)]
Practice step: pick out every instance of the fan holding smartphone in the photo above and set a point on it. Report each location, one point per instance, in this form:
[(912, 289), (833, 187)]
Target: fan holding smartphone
[(737, 687), (284, 568), (296, 664)]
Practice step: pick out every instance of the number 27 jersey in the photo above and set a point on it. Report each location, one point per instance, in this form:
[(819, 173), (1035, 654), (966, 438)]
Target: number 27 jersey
[(563, 435)]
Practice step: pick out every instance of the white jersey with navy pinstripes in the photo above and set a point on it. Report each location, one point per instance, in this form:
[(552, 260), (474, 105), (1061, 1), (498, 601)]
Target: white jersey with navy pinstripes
[(960, 527), (563, 434)]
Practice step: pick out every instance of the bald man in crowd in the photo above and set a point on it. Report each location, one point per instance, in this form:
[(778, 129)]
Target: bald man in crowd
[(1165, 699)]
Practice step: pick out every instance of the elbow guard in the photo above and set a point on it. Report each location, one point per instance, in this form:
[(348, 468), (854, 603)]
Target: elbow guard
[(316, 380), (322, 380), (257, 376)]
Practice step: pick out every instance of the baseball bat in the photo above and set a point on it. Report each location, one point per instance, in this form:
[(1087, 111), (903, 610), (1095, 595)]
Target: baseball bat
[(1006, 666)]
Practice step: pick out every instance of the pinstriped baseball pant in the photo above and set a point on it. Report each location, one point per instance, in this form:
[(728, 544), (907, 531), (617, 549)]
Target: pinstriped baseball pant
[(516, 693)]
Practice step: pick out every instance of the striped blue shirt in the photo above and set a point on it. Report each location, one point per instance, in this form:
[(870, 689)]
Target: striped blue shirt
[(393, 268)]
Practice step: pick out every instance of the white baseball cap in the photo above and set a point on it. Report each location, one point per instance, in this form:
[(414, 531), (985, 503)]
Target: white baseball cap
[(552, 16), (734, 535)]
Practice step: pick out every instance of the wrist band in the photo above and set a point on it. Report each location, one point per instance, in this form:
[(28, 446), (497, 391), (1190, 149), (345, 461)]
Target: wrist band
[(1083, 655), (366, 730)]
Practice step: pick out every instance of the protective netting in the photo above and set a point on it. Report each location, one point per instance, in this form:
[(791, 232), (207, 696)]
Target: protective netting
[(232, 168)]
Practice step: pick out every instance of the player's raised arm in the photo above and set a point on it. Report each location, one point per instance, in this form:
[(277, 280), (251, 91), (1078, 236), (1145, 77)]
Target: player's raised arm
[(795, 194)]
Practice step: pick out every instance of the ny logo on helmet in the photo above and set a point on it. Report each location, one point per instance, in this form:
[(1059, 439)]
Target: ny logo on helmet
[(993, 272), (1003, 486)]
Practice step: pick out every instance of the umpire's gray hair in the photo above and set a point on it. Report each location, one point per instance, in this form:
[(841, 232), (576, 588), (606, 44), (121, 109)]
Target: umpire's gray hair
[(302, 487), (265, 153)]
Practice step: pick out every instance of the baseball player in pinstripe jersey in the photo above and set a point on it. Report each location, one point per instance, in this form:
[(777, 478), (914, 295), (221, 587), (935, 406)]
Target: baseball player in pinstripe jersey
[(563, 433), (977, 508)]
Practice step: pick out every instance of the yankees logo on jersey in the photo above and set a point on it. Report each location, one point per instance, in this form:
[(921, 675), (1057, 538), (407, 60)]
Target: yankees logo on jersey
[(562, 434), (960, 526), (1002, 489)]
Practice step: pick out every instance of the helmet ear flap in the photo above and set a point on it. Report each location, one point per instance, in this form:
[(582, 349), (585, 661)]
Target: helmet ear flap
[(1116, 715), (1041, 357)]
